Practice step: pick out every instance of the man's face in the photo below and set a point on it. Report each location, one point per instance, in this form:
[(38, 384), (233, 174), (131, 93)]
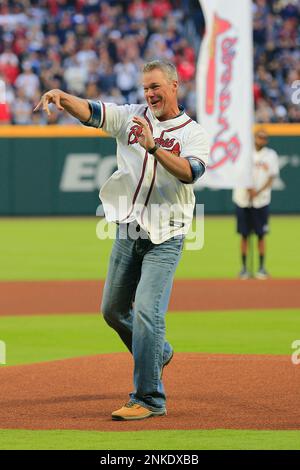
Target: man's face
[(160, 92), (261, 139)]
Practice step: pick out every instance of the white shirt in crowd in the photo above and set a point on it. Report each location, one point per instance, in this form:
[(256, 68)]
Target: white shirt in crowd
[(126, 76), (76, 78), (28, 82), (265, 165)]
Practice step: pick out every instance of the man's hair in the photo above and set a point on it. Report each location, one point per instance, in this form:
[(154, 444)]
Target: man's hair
[(167, 68)]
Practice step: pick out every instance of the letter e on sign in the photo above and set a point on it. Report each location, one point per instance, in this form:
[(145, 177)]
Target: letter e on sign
[(2, 352), (79, 172), (296, 354)]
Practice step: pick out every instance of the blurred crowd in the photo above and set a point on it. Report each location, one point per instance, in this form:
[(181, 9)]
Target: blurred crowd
[(96, 48), (276, 30)]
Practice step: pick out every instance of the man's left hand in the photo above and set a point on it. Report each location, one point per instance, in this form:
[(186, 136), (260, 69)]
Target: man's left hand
[(253, 193), (145, 138)]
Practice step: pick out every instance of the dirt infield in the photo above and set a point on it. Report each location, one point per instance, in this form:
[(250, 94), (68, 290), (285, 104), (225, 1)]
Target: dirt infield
[(204, 392), (46, 297)]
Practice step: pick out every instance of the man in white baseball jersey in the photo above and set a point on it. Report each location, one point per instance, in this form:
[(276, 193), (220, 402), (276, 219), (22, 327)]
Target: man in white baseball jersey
[(252, 205), (160, 153)]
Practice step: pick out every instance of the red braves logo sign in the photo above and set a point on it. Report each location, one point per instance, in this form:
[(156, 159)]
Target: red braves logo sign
[(226, 147)]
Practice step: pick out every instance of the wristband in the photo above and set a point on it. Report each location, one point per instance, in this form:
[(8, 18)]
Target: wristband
[(154, 149)]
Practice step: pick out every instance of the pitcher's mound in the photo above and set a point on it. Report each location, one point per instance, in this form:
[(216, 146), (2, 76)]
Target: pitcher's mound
[(204, 392)]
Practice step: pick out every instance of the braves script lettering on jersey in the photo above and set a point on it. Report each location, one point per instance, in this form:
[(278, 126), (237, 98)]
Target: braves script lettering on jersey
[(141, 185)]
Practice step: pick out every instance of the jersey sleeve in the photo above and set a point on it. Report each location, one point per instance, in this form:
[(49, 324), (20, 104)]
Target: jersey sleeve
[(274, 164), (196, 145), (110, 117), (197, 168), (196, 150)]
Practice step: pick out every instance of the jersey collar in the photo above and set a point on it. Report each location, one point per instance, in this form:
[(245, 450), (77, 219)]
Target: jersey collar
[(174, 122)]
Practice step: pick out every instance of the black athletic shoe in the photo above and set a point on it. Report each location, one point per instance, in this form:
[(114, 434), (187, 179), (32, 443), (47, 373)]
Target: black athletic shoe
[(244, 274), (262, 274)]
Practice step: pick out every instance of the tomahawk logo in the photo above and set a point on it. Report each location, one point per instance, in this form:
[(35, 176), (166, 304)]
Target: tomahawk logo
[(220, 27), (2, 352)]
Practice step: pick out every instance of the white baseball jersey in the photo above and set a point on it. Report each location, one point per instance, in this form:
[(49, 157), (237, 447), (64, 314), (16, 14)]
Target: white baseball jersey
[(142, 189), (265, 165)]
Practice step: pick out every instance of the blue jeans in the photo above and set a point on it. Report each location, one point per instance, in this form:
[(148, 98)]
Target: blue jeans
[(135, 299)]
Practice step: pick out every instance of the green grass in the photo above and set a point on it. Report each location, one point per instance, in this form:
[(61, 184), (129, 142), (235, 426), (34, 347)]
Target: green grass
[(37, 249), (52, 249), (149, 440), (65, 248), (32, 339)]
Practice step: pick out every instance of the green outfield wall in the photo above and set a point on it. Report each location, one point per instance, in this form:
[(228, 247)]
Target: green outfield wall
[(58, 171)]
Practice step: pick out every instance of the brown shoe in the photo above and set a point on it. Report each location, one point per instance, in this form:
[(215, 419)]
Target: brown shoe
[(131, 411)]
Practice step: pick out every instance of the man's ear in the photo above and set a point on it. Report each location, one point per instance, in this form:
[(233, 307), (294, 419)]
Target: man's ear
[(175, 85)]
